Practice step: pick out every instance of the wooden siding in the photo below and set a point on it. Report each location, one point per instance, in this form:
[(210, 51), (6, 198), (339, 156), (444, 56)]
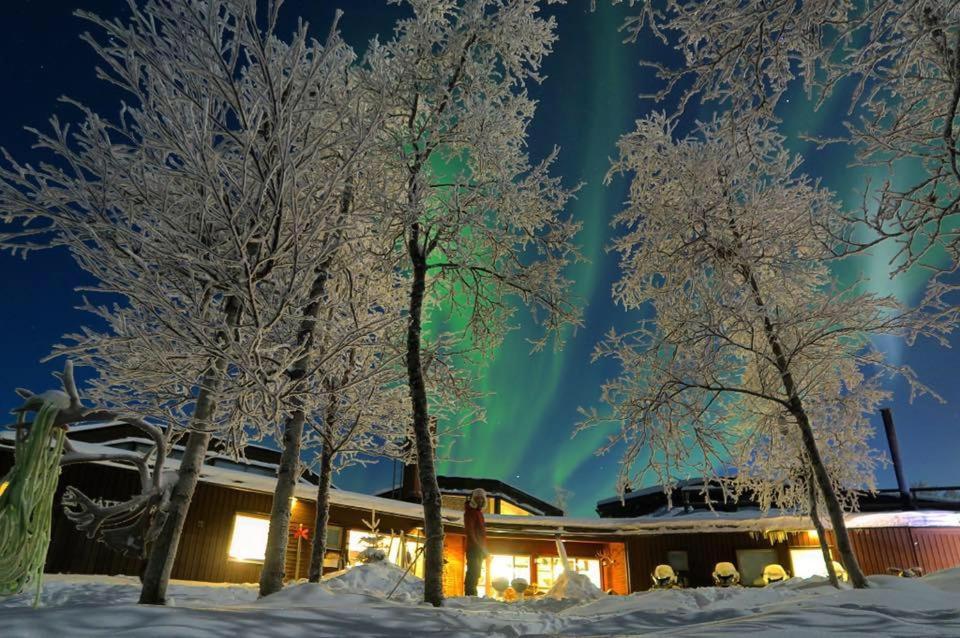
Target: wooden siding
[(704, 551), (616, 574), (202, 554), (881, 549), (454, 565), (937, 548)]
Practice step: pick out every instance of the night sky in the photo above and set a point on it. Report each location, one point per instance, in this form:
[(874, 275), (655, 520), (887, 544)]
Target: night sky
[(590, 97)]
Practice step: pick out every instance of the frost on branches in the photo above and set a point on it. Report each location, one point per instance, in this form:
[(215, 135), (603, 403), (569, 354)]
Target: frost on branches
[(472, 220), (751, 353), (203, 205), (901, 58)]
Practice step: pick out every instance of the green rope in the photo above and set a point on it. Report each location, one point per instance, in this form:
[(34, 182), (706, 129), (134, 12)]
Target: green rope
[(26, 505)]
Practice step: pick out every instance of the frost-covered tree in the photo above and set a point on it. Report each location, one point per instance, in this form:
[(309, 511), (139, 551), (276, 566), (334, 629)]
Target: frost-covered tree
[(741, 55), (361, 420), (203, 206), (474, 221), (905, 58), (751, 352), (902, 58)]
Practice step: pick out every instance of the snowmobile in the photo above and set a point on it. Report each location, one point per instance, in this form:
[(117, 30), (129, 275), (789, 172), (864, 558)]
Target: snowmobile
[(906, 572), (725, 575), (839, 571), (774, 573), (664, 577)]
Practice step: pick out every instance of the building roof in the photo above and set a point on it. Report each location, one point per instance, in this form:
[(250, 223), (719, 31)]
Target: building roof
[(256, 458), (697, 494), (665, 520), (464, 485)]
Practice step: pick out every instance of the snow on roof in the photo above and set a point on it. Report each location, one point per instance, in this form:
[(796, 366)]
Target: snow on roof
[(674, 520), (645, 491), (102, 425), (238, 479)]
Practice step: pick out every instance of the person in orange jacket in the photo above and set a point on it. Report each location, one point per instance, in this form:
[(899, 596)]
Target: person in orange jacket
[(476, 530)]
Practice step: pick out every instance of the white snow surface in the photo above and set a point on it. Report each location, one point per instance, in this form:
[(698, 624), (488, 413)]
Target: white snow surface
[(574, 587), (354, 604)]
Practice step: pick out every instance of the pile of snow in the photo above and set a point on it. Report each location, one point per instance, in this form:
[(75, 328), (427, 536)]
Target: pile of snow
[(574, 587), (947, 580), (353, 604), (377, 579), (301, 594), (82, 590)]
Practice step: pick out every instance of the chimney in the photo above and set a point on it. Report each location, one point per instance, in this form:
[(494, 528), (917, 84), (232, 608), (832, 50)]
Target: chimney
[(410, 487), (905, 494), (410, 480)]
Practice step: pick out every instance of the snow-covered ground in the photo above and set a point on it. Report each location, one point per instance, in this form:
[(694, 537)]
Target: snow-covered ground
[(355, 604)]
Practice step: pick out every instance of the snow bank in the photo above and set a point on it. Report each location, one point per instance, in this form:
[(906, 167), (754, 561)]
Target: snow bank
[(946, 580), (81, 590), (353, 604), (574, 587), (304, 594), (377, 579)]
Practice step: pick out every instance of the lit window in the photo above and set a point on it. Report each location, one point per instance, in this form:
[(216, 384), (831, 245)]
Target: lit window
[(549, 569), (509, 509), (506, 567), (249, 539), (390, 544), (808, 562)]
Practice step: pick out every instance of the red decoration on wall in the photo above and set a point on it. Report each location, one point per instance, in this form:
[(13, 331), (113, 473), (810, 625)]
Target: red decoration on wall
[(301, 532)]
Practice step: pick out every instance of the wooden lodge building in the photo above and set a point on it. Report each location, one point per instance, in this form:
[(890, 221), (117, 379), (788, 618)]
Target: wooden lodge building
[(225, 532)]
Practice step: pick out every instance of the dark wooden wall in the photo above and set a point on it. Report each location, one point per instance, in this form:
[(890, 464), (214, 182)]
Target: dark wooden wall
[(202, 554), (704, 551), (878, 550), (881, 549), (204, 546)]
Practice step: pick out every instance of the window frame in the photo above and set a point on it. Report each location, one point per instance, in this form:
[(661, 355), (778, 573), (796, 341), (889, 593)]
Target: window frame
[(749, 582), (233, 528)]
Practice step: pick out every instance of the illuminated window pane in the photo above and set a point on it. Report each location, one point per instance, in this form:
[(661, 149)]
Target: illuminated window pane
[(808, 562), (549, 569), (509, 509), (249, 540), (503, 566), (391, 546)]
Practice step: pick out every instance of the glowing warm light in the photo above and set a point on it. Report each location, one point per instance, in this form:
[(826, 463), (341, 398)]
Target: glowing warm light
[(3, 486), (249, 540), (506, 567), (808, 562), (549, 569), (509, 509), (813, 535)]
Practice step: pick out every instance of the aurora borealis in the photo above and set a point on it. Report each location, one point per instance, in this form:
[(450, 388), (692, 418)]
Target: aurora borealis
[(588, 99)]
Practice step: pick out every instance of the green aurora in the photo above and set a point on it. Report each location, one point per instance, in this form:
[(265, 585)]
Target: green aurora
[(590, 97)]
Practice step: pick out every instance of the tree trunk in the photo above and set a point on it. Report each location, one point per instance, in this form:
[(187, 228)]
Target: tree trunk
[(156, 576), (795, 406), (319, 549), (432, 521), (271, 576), (821, 532), (834, 511), (163, 554), (275, 557)]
